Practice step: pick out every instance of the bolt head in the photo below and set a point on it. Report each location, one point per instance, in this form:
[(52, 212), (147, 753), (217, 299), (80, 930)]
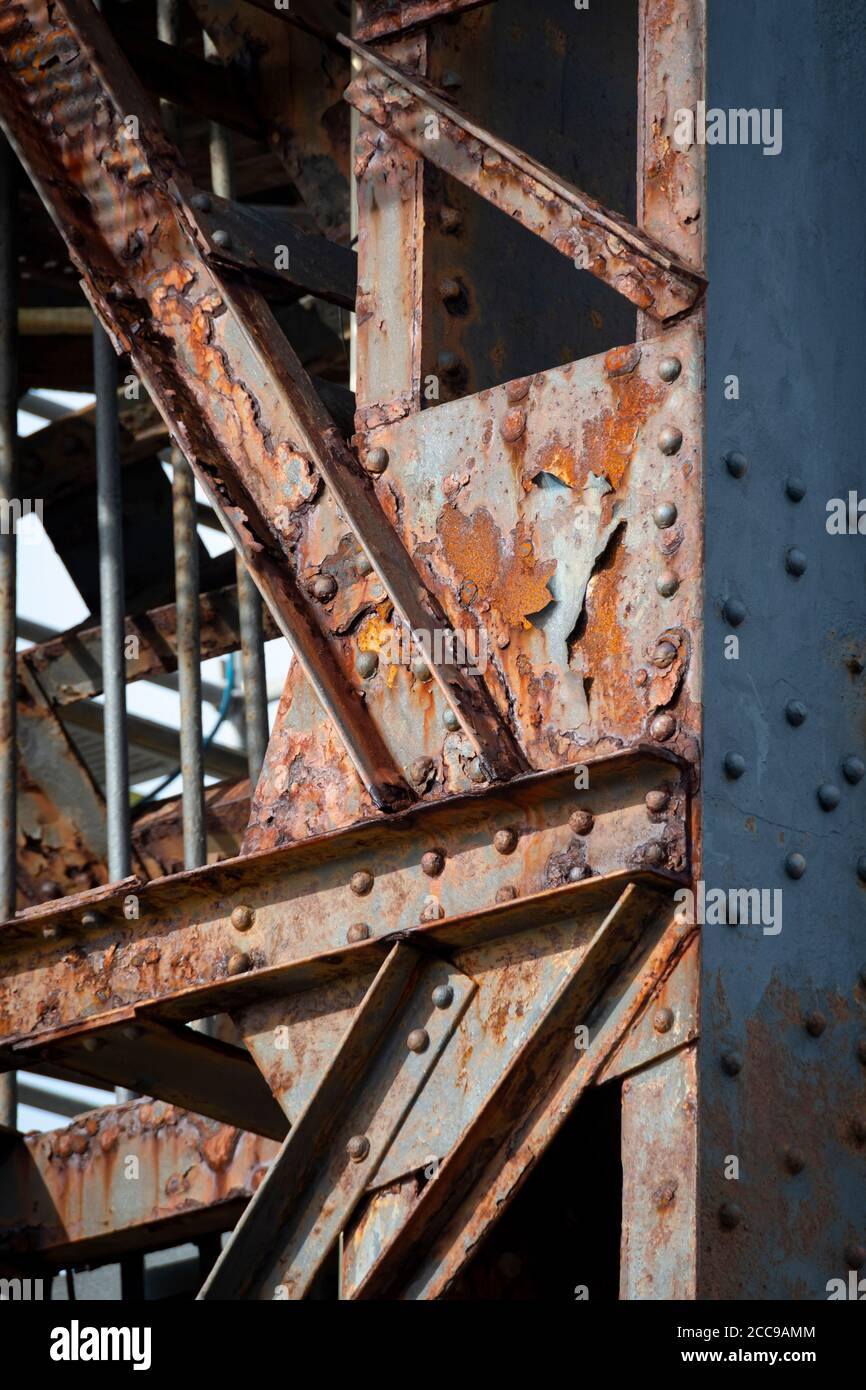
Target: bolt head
[(663, 1020), (667, 583), (581, 821), (443, 996), (829, 796), (795, 865), (734, 612), (670, 368), (505, 841), (358, 1148), (450, 720), (795, 562), (665, 515), (795, 713), (242, 917), (359, 931), (507, 894), (663, 727), (736, 463), (367, 664), (657, 800), (238, 963), (732, 1063), (323, 587), (376, 460), (433, 862), (418, 1040), (420, 670), (670, 440), (735, 765), (730, 1215), (361, 883), (220, 237), (853, 770), (815, 1024), (795, 489)]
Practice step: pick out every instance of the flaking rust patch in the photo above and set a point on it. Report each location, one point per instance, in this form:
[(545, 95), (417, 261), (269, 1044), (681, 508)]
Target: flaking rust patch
[(502, 571)]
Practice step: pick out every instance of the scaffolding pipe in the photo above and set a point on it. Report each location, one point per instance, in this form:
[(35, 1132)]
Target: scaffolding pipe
[(186, 574), (8, 441)]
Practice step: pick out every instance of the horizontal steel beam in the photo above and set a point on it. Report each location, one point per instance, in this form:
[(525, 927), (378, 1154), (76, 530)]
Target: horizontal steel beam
[(139, 1176), (380, 19), (597, 240), (263, 241), (160, 739)]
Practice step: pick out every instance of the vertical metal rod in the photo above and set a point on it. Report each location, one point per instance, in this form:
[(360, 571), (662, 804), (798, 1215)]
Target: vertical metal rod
[(8, 485), (249, 599), (111, 602), (186, 574)]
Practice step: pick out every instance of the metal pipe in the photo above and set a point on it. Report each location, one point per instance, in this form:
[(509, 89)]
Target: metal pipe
[(8, 483), (186, 572), (111, 602), (256, 728)]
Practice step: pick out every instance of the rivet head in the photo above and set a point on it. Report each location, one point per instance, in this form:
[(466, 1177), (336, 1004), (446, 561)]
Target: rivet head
[(795, 489), (862, 974), (663, 727), (795, 562), (795, 713), (476, 771), (220, 237), (858, 1127), (670, 440), (512, 425), (93, 1044), (794, 1161), (730, 1215), (420, 770), (732, 1063), (132, 1032), (450, 219), (358, 1148), (359, 931), (734, 612), (581, 822), (665, 515), (664, 655), (201, 202), (861, 870), (89, 918), (657, 800), (323, 587), (505, 841), (654, 855), (815, 1024), (507, 894), (432, 862), (443, 996), (420, 670), (861, 1051), (376, 460), (448, 362), (418, 1040), (361, 882), (366, 664), (855, 1256), (238, 963), (450, 720), (795, 865), (491, 159), (828, 796), (663, 1020), (670, 368), (735, 765), (243, 917), (736, 463), (449, 289), (52, 931), (853, 770), (667, 583)]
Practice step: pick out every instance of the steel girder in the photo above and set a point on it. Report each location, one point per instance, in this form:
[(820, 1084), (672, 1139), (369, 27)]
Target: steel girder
[(462, 869)]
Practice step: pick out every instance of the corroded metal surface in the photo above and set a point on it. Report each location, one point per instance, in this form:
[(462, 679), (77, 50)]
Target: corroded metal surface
[(378, 19), (134, 1176)]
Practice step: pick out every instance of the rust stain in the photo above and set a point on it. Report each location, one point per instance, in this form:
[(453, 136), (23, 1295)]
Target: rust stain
[(489, 567)]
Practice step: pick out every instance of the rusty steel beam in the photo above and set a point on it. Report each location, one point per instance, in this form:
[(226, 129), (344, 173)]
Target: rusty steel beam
[(380, 19), (138, 1176), (636, 265), (214, 361)]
